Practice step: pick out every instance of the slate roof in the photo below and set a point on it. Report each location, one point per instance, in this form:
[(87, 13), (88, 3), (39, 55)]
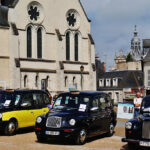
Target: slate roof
[(126, 79), (4, 16)]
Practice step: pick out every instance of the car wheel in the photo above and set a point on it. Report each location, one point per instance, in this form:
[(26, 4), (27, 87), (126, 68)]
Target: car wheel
[(111, 129), (81, 137), (41, 138), (10, 128)]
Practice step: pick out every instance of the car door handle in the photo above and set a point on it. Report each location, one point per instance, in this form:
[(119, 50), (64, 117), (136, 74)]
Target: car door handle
[(32, 112), (44, 110)]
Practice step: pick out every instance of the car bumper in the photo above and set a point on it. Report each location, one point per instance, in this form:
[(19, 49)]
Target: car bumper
[(130, 140), (2, 125), (63, 133), (141, 142)]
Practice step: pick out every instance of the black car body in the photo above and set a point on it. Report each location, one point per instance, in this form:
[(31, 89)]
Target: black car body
[(77, 115), (137, 130)]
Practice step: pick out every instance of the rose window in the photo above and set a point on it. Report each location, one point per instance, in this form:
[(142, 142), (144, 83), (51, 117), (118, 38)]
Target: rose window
[(33, 13), (73, 19)]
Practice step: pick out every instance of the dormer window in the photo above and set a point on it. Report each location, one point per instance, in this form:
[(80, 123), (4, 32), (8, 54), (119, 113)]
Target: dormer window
[(115, 82), (108, 82), (101, 82)]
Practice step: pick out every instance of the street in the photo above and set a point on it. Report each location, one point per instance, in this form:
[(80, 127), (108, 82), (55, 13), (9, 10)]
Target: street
[(26, 140)]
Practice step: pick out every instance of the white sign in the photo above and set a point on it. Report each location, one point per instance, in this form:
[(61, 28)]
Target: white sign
[(82, 107), (125, 111), (7, 103)]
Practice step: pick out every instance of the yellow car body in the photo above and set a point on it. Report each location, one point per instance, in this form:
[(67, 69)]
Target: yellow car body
[(20, 108)]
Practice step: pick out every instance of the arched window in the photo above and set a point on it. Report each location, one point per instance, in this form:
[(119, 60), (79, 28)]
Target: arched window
[(74, 78), (66, 81), (47, 79), (76, 48), (39, 43), (68, 46), (36, 81), (25, 81), (29, 42)]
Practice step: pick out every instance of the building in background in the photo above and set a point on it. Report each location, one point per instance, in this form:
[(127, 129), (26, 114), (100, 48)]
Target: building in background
[(132, 60), (136, 50), (46, 45), (100, 68), (146, 65), (121, 85)]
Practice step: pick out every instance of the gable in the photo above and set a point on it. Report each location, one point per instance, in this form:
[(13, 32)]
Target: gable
[(54, 15)]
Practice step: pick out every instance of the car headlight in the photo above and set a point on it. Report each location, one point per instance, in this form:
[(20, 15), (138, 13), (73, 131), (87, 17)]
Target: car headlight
[(128, 125), (72, 122), (1, 115), (39, 120)]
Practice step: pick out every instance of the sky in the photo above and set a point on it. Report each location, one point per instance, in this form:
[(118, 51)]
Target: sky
[(113, 24)]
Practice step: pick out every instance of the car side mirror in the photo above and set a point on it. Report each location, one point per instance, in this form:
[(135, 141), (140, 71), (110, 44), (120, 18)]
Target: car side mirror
[(25, 104), (94, 109)]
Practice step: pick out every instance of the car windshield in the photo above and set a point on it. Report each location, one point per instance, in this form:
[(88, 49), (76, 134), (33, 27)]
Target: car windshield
[(5, 99), (146, 103), (71, 102)]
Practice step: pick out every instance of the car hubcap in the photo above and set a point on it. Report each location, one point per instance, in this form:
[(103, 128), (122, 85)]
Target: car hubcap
[(11, 127), (111, 128), (82, 135)]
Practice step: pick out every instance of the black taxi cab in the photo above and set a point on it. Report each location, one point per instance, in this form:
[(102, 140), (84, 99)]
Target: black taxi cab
[(20, 108), (137, 130), (76, 116)]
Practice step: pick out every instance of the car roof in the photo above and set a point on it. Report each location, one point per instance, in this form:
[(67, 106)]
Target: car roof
[(22, 91), (89, 93)]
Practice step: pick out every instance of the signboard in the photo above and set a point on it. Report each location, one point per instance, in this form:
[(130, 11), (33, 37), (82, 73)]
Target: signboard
[(125, 111), (72, 87)]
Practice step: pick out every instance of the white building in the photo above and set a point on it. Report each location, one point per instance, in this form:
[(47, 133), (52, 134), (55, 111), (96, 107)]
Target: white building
[(44, 44)]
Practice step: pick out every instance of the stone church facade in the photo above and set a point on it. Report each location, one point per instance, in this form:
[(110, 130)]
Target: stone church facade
[(46, 43)]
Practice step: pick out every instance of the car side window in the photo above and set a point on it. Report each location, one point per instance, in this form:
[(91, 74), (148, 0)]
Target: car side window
[(46, 99), (103, 102), (38, 99), (95, 103), (28, 99)]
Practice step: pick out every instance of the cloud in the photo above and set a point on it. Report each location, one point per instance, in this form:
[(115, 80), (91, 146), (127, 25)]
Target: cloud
[(113, 24)]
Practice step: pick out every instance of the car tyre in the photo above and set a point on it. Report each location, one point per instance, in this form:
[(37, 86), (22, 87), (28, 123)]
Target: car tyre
[(111, 130), (81, 137), (10, 128)]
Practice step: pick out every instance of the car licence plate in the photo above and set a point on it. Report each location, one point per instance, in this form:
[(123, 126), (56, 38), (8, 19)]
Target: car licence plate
[(52, 132), (146, 144)]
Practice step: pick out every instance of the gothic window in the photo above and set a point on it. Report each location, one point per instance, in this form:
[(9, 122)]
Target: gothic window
[(39, 43), (68, 46), (76, 38), (25, 81), (47, 79), (71, 19), (33, 13), (74, 78), (36, 81), (29, 42), (66, 81)]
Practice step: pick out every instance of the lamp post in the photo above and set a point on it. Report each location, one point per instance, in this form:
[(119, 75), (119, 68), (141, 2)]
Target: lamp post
[(82, 69)]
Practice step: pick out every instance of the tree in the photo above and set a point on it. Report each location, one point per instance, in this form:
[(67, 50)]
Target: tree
[(129, 58)]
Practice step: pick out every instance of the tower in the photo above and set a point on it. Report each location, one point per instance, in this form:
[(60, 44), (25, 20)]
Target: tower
[(135, 46)]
